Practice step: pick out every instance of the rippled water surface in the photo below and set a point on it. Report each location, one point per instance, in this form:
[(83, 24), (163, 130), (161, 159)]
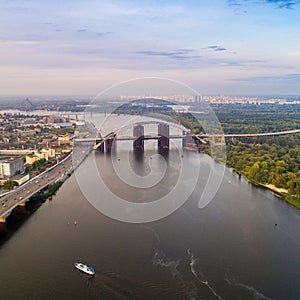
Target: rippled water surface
[(231, 249)]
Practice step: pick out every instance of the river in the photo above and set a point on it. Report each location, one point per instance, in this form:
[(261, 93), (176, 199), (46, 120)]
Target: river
[(230, 249)]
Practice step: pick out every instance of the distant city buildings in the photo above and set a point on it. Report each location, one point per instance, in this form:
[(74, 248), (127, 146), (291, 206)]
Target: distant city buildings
[(55, 119), (221, 99), (175, 98), (245, 100)]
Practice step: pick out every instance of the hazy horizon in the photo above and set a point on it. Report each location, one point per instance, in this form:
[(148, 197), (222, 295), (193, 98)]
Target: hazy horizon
[(83, 97)]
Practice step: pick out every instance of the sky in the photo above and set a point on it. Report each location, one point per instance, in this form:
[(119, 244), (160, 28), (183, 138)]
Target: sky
[(76, 47)]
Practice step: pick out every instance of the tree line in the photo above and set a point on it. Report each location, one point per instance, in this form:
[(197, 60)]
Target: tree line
[(264, 159)]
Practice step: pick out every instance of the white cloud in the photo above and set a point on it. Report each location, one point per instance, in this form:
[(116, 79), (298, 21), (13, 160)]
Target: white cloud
[(44, 44)]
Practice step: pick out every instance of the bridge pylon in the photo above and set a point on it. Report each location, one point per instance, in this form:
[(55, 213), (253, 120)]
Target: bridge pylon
[(164, 136), (138, 134), (100, 148), (110, 143), (188, 141), (28, 105)]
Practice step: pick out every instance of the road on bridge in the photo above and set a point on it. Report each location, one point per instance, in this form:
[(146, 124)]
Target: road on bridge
[(25, 191)]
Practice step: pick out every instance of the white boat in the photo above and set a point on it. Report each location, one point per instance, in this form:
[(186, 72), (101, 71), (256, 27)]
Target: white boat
[(84, 268)]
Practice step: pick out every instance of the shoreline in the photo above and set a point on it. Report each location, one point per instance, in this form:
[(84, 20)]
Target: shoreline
[(21, 215), (60, 179), (280, 193)]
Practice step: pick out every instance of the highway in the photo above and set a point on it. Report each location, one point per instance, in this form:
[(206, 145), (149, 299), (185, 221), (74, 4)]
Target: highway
[(20, 195)]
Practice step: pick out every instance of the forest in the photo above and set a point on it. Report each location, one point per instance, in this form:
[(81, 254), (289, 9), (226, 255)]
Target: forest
[(271, 160)]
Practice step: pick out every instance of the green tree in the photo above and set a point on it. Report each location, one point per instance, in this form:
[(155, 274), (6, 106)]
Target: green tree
[(9, 184)]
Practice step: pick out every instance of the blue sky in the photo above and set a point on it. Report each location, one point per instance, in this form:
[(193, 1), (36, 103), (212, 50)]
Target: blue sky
[(216, 47)]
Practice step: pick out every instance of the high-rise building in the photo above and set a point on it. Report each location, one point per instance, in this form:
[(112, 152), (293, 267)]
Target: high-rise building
[(9, 167)]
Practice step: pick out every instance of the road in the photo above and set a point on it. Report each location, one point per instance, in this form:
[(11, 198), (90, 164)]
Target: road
[(25, 191)]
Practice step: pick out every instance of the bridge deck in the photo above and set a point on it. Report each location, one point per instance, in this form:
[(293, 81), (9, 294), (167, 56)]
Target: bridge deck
[(201, 136), (24, 192)]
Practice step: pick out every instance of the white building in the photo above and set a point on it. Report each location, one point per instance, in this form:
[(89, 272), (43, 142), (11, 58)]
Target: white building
[(10, 167)]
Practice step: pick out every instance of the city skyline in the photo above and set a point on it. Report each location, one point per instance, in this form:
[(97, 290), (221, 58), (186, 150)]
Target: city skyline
[(216, 47)]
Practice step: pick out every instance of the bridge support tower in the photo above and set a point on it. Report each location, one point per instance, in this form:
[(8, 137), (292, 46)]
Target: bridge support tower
[(164, 134), (23, 203), (110, 143), (101, 147), (3, 218), (138, 134), (188, 141)]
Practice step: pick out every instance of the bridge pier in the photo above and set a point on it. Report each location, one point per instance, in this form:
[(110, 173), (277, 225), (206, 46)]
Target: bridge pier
[(23, 203), (4, 217), (164, 134), (110, 143), (101, 147), (138, 134), (188, 141)]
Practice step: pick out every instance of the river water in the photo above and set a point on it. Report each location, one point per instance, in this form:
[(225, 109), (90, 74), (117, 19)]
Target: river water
[(231, 249)]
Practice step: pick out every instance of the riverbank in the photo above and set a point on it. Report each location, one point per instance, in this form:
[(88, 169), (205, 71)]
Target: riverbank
[(280, 193), (21, 214)]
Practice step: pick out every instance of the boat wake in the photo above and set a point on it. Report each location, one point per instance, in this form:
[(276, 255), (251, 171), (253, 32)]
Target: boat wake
[(160, 259), (250, 289), (193, 262)]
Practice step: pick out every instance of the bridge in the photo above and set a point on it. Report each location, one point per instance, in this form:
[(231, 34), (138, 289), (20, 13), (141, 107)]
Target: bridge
[(138, 137), (21, 195), (163, 136)]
